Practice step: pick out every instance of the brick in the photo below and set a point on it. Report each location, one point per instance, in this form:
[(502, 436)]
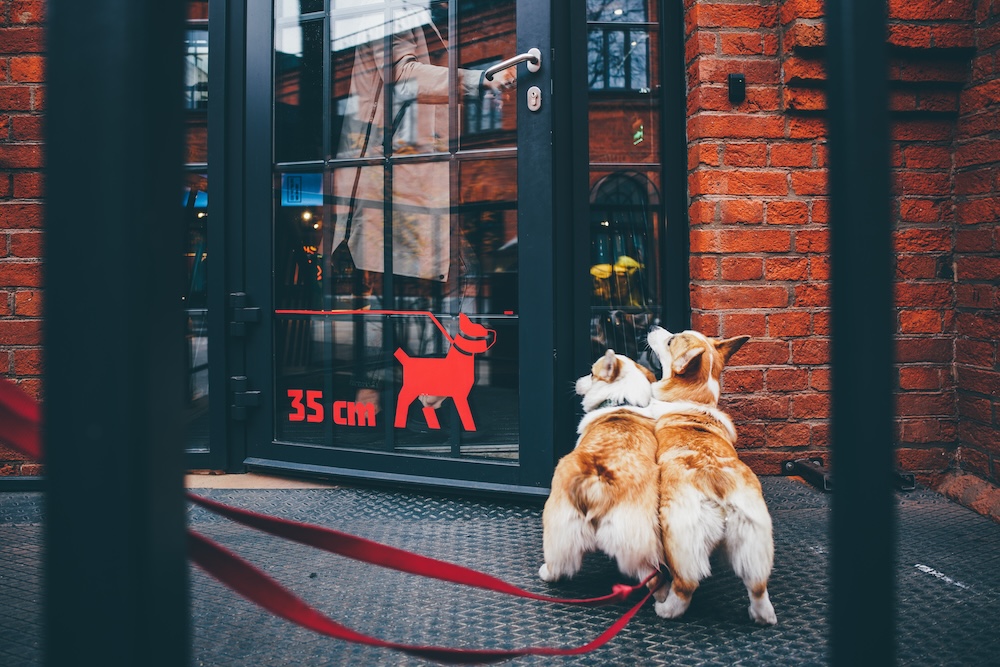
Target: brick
[(758, 183), (927, 10), (20, 215), (735, 126), (22, 40), (975, 407), (812, 295), (742, 268), (977, 211), (787, 379), (787, 434), (706, 323), (708, 182), (28, 361), (21, 332), (26, 12), (928, 295), (924, 405), (801, 9), (812, 241), (20, 274), (746, 211), (909, 35), (26, 245), (922, 240), (28, 303), (810, 406), (754, 240), (806, 128), (920, 321), (741, 381), (744, 324), (757, 352), (701, 212), (789, 323), (26, 128), (773, 406), (786, 268), (731, 297), (819, 268), (923, 350), (27, 69), (803, 99), (704, 153), (820, 379), (923, 183), (975, 352), (916, 267), (703, 268), (981, 151), (745, 155), (792, 155), (984, 325), (802, 35), (709, 15), (809, 181), (811, 351), (914, 460), (742, 43), (15, 98), (920, 210), (977, 267), (28, 185), (920, 378), (20, 156), (981, 381), (787, 212)]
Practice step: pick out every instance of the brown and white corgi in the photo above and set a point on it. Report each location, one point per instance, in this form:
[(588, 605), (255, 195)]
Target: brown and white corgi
[(604, 492), (708, 498)]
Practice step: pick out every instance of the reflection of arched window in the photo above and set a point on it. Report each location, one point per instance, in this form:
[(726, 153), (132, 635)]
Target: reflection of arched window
[(623, 248)]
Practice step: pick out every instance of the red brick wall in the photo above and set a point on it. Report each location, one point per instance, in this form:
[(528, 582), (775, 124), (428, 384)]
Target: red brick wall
[(977, 260), (22, 101), (757, 183)]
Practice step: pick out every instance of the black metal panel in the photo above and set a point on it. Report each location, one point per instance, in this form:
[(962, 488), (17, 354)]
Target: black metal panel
[(862, 333), (674, 249), (116, 588)]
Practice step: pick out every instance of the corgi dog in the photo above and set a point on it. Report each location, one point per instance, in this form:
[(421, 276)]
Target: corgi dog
[(604, 492), (708, 498)]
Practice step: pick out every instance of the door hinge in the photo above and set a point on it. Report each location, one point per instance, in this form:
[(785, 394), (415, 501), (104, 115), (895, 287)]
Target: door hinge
[(244, 398), (241, 314)]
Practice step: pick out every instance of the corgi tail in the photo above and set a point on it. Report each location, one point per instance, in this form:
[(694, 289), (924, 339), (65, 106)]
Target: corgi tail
[(590, 495)]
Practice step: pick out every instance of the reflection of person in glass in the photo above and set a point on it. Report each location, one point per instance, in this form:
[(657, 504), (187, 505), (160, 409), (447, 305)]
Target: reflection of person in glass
[(418, 123)]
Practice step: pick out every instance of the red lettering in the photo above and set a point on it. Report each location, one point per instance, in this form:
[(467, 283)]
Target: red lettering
[(299, 410), (339, 407), (363, 412), (313, 399)]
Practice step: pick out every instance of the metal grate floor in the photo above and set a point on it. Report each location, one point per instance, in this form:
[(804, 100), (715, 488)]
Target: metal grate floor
[(948, 585)]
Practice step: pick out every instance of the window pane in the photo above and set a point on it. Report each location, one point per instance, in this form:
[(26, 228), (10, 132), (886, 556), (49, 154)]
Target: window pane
[(298, 95)]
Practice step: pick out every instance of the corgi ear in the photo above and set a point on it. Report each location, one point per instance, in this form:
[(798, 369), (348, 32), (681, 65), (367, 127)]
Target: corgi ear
[(606, 368), (729, 346), (680, 364)]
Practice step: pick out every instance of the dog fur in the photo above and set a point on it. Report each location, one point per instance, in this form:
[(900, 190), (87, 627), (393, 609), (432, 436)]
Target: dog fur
[(604, 492), (708, 498)]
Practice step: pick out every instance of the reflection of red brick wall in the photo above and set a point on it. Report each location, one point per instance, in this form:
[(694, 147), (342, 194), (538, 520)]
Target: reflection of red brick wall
[(759, 223), (22, 100)]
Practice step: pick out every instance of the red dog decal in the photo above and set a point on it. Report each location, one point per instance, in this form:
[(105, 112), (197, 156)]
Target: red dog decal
[(433, 379)]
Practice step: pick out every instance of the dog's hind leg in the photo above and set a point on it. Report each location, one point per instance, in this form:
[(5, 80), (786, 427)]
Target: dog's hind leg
[(566, 538), (462, 405), (750, 548), (406, 396), (691, 531)]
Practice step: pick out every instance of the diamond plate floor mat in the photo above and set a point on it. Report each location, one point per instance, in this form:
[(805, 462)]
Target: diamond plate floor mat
[(948, 584)]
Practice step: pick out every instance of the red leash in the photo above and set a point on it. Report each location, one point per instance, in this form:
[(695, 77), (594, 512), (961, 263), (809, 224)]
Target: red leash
[(367, 551), (257, 587), (20, 426)]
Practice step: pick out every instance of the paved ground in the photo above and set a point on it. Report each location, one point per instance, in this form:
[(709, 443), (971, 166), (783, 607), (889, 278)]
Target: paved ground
[(948, 578)]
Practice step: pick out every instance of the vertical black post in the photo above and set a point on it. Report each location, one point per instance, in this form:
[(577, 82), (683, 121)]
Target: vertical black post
[(862, 328), (116, 570)]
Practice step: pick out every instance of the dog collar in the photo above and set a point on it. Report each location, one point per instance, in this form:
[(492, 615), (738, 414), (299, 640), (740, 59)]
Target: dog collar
[(614, 404)]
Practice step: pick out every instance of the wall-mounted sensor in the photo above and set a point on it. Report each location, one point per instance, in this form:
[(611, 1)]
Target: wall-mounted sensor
[(737, 88)]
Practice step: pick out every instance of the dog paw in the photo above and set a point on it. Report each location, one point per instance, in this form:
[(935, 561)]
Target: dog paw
[(763, 613), (672, 607), (544, 574)]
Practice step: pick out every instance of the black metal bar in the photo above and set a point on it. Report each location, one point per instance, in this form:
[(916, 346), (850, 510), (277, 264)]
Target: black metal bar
[(115, 554), (863, 523)]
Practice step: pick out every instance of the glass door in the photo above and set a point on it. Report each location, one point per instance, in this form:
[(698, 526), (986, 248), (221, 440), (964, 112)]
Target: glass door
[(398, 318)]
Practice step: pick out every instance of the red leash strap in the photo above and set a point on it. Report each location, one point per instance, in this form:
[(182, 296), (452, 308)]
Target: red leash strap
[(367, 551), (261, 589), (20, 420)]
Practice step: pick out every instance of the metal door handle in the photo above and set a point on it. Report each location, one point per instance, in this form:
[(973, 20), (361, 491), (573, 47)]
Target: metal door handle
[(533, 57)]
